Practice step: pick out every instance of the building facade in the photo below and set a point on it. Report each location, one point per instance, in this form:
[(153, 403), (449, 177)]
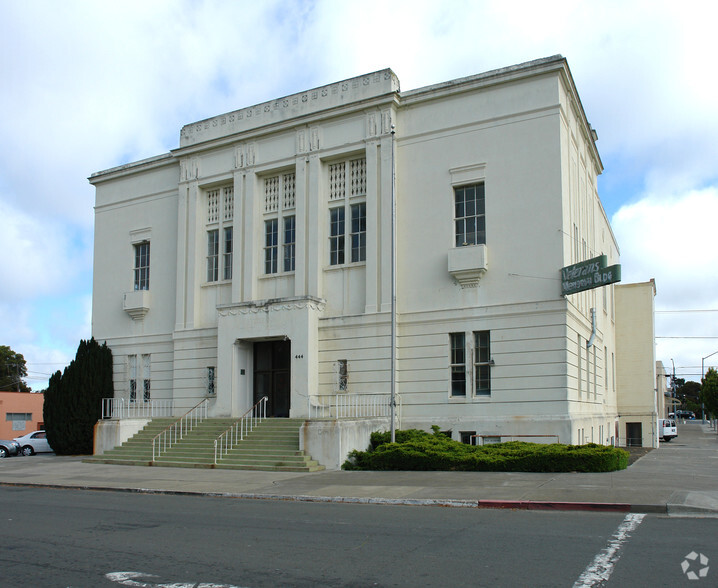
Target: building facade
[(285, 249), (20, 413), (641, 401)]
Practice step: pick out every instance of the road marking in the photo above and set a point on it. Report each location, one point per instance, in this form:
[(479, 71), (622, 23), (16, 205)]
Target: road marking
[(602, 565), (129, 579)]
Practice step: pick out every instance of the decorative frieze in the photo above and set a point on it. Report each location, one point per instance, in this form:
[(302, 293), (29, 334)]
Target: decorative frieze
[(338, 94), (273, 305)]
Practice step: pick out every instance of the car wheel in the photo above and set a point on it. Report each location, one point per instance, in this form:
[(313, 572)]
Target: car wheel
[(3, 452), (27, 450)]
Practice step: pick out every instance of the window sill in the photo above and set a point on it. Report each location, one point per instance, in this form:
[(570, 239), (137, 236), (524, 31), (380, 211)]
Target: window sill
[(468, 264), (277, 275), (217, 283), (341, 266), (136, 304)]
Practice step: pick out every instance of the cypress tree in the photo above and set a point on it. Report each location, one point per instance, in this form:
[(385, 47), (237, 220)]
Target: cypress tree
[(73, 400)]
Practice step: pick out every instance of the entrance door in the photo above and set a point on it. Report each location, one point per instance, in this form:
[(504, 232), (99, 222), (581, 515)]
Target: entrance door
[(272, 375), (634, 434)]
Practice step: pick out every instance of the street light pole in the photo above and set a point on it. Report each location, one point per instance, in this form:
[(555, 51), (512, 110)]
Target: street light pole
[(703, 375)]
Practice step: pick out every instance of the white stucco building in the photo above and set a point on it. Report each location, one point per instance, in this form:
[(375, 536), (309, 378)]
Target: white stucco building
[(256, 258)]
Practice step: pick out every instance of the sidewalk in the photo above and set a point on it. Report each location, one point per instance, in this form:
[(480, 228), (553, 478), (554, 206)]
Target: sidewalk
[(680, 478)]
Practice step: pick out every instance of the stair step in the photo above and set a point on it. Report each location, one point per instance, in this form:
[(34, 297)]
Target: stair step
[(272, 445)]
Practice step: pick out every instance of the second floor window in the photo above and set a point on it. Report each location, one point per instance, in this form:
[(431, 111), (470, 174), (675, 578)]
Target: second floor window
[(212, 256), (220, 233), (469, 215), (280, 234), (142, 266), (347, 198)]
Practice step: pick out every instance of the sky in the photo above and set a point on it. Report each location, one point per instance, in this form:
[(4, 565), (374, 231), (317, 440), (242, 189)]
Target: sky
[(90, 85)]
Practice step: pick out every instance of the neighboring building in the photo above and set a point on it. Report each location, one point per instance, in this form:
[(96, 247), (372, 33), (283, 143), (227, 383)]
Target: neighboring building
[(663, 393), (256, 259), (20, 413), (639, 400)]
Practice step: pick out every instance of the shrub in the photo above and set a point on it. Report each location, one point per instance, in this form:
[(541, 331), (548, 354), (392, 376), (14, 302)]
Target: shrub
[(419, 450)]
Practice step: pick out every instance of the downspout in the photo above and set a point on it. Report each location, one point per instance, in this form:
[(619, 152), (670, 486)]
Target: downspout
[(393, 287), (589, 343)]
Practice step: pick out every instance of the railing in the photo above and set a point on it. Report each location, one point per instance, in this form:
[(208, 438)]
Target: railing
[(236, 432), (177, 430), (122, 408), (344, 406)]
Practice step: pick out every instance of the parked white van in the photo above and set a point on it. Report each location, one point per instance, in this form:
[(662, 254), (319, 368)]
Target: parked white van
[(667, 429)]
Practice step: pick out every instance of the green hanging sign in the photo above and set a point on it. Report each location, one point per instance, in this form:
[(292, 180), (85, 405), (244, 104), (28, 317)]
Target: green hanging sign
[(589, 274)]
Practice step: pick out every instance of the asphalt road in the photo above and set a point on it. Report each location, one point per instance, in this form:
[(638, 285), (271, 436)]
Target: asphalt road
[(74, 538)]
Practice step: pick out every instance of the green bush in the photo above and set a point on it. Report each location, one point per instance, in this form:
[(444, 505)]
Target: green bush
[(419, 450)]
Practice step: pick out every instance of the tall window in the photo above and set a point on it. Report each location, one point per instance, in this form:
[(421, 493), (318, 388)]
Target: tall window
[(342, 375), (336, 236), (146, 377), (290, 239), (210, 380), (132, 366), (482, 363), (271, 245), (227, 256), (213, 255), (280, 232), (347, 198), (469, 215), (139, 372), (461, 351), (220, 233), (458, 364), (142, 266)]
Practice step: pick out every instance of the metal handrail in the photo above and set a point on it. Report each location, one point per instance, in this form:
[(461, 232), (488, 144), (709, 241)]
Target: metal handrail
[(176, 431), (122, 408), (345, 405), (241, 427)]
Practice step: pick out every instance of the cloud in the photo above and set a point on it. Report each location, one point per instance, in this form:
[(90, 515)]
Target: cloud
[(672, 239)]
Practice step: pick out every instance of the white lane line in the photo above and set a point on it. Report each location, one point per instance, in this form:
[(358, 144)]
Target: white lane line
[(602, 565)]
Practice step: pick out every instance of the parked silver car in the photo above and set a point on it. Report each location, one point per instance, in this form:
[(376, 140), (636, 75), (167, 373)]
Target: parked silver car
[(9, 448), (32, 443)]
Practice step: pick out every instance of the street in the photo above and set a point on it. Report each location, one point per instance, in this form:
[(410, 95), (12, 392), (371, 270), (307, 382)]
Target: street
[(76, 538)]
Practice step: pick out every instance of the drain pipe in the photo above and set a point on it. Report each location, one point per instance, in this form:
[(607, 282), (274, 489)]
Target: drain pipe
[(589, 343), (393, 287)]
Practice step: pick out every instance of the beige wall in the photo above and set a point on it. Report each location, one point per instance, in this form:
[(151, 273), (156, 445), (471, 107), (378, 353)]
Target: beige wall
[(636, 365)]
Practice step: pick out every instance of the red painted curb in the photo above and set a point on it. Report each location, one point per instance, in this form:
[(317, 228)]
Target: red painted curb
[(549, 505)]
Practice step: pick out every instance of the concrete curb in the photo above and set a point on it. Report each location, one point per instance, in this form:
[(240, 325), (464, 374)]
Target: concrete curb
[(446, 503)]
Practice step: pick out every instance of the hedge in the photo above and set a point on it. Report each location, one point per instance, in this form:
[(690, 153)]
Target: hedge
[(418, 450)]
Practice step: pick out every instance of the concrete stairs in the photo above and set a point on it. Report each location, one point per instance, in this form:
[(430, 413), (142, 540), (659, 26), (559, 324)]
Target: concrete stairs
[(272, 446)]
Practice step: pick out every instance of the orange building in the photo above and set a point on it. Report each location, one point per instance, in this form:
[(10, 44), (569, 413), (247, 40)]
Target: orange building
[(20, 413)]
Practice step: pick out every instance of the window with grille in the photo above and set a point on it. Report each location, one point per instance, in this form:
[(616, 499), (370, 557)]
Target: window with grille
[(347, 200), (139, 373), (280, 229), (220, 233)]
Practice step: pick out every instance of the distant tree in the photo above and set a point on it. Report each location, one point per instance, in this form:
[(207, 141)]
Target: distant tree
[(73, 399), (709, 391), (12, 370)]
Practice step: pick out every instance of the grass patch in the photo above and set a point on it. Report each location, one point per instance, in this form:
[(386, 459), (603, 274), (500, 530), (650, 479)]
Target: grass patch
[(416, 450)]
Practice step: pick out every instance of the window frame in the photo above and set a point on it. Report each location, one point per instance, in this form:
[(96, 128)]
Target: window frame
[(141, 273), (347, 211), (220, 233), (470, 363), (279, 213), (470, 215)]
